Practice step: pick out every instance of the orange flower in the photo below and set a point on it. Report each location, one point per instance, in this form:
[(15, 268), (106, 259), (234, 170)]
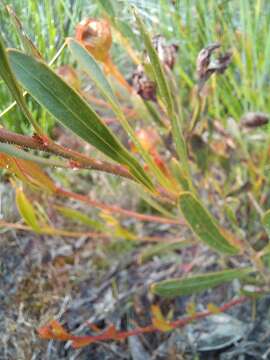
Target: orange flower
[(96, 36)]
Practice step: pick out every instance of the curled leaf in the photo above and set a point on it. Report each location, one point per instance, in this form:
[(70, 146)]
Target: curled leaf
[(158, 319), (54, 331)]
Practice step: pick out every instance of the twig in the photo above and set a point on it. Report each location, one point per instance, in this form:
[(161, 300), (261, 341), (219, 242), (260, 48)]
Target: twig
[(116, 209)]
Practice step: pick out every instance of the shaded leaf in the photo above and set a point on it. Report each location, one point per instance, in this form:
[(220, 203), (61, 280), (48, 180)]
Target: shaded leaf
[(71, 110), (11, 82), (165, 93), (28, 44), (197, 283), (91, 67), (76, 215), (14, 151), (266, 221), (161, 249), (204, 225)]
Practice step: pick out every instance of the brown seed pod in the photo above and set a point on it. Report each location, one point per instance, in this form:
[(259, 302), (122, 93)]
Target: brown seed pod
[(206, 68), (166, 53), (143, 86), (96, 36), (254, 119)]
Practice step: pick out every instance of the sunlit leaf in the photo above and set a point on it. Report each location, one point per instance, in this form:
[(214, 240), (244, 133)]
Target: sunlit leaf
[(158, 319), (26, 210)]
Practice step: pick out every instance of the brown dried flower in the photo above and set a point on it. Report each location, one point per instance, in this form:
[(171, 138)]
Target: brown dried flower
[(206, 67), (166, 53), (96, 36), (254, 119), (143, 86)]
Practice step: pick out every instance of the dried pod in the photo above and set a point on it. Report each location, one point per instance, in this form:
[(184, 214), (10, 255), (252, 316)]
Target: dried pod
[(143, 86), (223, 62), (96, 36), (166, 53), (254, 119), (206, 67), (203, 61)]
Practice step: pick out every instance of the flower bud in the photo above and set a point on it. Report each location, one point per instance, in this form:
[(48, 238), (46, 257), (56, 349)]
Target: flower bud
[(96, 36)]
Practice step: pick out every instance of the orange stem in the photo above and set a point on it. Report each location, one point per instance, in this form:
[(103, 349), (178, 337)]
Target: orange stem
[(116, 209), (110, 68)]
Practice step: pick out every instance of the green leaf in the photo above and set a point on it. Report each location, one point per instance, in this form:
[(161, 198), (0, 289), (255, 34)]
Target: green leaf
[(90, 66), (161, 249), (165, 93), (107, 6), (71, 110), (266, 222), (28, 45), (14, 88), (26, 210), (156, 67), (14, 151), (204, 225), (76, 215), (197, 283)]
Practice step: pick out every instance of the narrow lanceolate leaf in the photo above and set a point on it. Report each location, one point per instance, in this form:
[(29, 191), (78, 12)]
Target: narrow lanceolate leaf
[(12, 150), (165, 93), (90, 66), (204, 225), (156, 67), (71, 110), (26, 210), (76, 215), (198, 283), (28, 45), (266, 221), (11, 82), (27, 171)]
